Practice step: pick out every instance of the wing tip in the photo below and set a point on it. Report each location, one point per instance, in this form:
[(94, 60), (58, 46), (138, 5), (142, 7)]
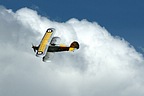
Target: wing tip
[(50, 30)]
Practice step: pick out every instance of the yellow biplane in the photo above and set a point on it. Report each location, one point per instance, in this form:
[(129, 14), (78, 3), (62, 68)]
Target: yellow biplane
[(49, 45)]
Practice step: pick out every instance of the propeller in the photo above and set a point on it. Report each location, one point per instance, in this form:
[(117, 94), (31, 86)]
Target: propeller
[(34, 47)]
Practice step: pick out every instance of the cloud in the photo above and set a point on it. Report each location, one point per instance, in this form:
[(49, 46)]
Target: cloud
[(104, 65)]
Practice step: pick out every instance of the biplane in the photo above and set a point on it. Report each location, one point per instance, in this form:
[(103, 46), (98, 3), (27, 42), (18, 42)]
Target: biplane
[(50, 44)]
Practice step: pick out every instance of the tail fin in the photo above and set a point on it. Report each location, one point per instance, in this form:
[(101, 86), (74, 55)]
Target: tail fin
[(74, 45)]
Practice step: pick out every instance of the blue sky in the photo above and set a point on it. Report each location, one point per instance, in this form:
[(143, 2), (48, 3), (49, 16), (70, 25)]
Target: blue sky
[(122, 18)]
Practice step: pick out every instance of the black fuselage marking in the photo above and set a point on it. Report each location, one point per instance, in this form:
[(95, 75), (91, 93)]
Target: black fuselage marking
[(57, 49)]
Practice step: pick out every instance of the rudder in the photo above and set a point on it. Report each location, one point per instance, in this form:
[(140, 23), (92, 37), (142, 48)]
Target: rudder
[(74, 45)]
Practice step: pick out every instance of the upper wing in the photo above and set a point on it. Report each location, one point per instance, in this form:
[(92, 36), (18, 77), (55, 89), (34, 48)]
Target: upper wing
[(45, 41)]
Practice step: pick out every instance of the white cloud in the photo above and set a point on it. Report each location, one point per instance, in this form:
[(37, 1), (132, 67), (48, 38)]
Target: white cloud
[(104, 65)]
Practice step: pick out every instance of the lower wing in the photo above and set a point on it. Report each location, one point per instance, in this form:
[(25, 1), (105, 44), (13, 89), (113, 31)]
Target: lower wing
[(48, 57)]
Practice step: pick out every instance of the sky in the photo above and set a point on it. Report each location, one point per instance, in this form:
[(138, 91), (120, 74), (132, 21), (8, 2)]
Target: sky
[(108, 62), (122, 18)]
